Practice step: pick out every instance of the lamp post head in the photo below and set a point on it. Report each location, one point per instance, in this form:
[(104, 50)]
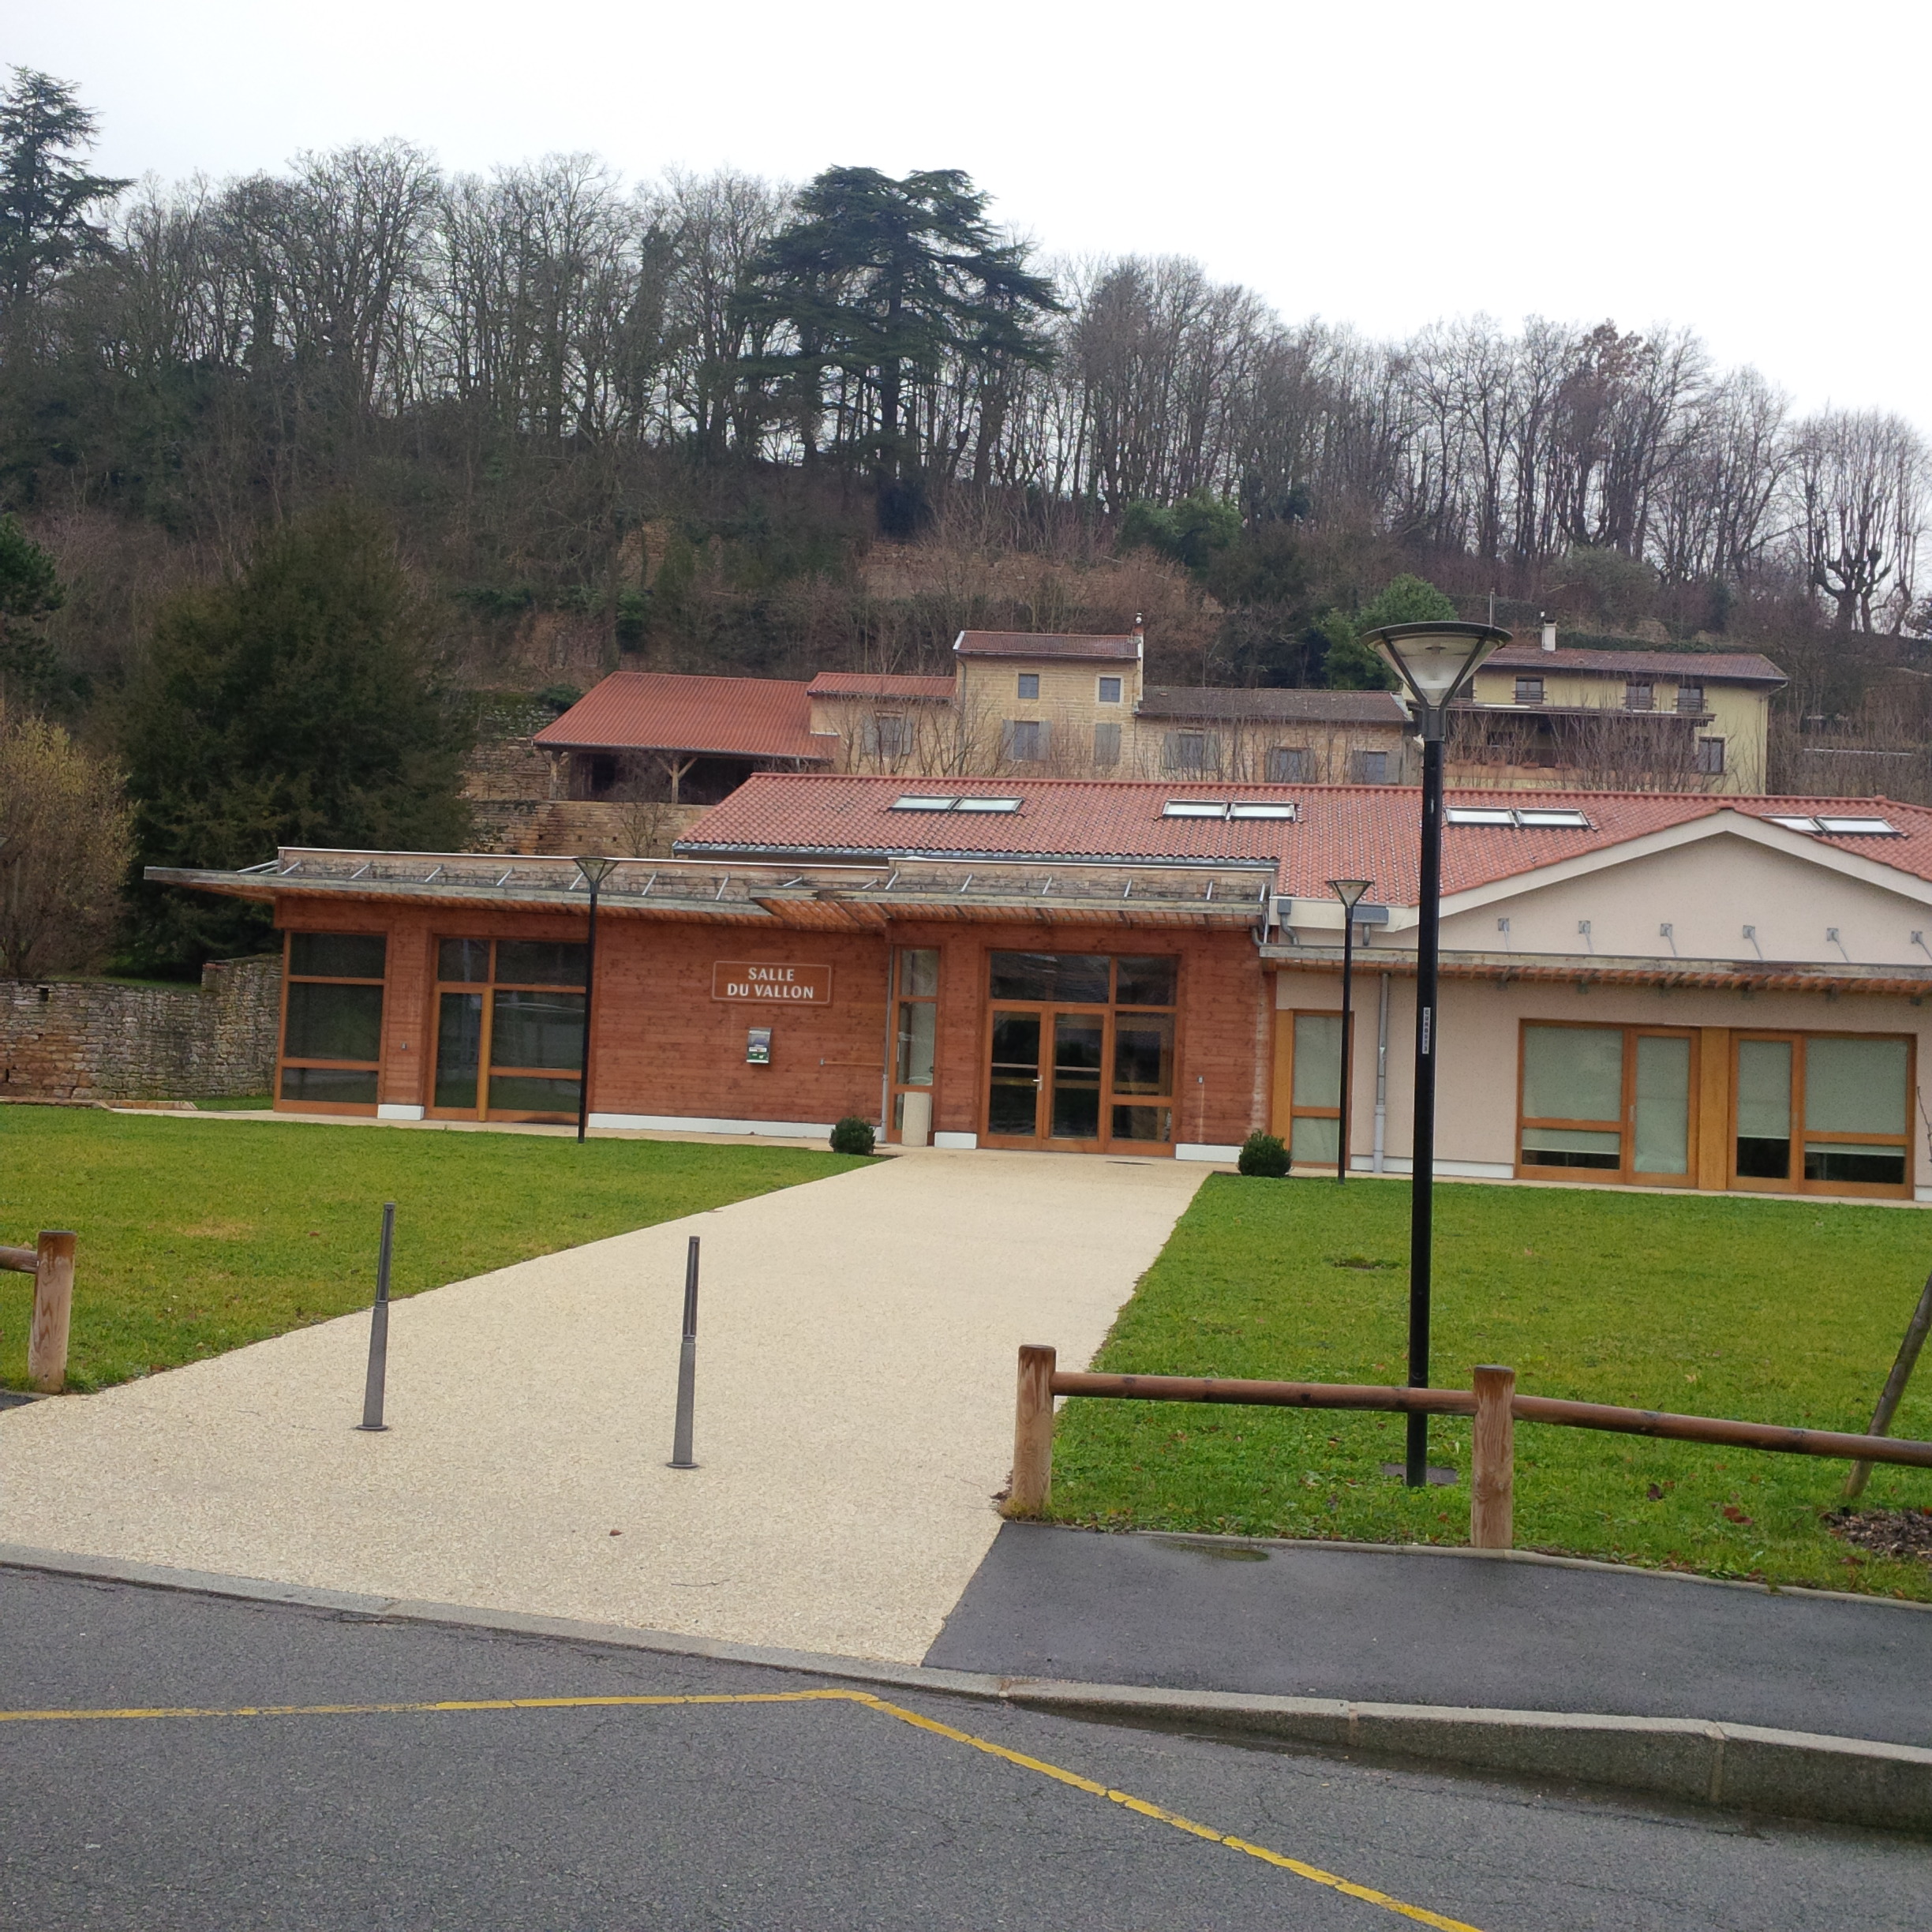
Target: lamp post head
[(596, 870), (1349, 891), (1436, 663)]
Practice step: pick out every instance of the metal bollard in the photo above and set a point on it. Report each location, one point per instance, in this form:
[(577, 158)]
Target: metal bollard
[(379, 1329), (687, 1365)]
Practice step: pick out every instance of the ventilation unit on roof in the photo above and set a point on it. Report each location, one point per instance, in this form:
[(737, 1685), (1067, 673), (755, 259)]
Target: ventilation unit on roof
[(1526, 820), (1228, 808)]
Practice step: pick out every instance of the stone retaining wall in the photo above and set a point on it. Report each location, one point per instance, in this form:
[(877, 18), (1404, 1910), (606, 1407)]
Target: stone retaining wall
[(82, 1040)]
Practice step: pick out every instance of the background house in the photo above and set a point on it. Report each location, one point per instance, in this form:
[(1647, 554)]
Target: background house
[(1617, 720)]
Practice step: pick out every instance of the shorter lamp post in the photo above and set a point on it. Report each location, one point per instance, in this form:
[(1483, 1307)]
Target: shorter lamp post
[(595, 872), (1436, 664), (1349, 892)]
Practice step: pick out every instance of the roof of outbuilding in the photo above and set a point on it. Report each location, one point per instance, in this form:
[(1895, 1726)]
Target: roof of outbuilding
[(1270, 705), (665, 711), (1692, 667), (879, 684), (1047, 644), (1357, 831)]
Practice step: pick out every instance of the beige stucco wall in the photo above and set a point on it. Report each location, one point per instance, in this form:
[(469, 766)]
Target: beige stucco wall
[(1708, 892), (1480, 1027)]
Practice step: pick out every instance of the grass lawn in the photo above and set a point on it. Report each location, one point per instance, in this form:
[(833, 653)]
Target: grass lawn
[(1770, 1311), (197, 1237)]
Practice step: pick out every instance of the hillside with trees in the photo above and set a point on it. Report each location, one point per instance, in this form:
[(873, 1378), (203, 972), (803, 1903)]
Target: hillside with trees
[(711, 422)]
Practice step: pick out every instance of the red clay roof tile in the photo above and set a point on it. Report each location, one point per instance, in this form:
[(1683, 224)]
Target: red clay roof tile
[(1357, 831), (662, 710)]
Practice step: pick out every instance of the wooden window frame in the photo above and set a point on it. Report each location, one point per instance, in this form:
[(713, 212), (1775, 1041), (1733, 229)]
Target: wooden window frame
[(1626, 1174), (896, 1087), (363, 1109), (1283, 1113), (1109, 1010), (490, 988), (1796, 1183)]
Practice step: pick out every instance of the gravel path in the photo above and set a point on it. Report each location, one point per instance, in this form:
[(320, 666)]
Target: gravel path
[(855, 1403)]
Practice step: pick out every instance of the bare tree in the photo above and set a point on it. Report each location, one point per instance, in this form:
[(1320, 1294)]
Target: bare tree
[(65, 844), (1860, 483)]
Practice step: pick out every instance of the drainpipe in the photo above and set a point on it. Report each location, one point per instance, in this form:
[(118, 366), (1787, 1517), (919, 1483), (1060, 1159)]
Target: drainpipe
[(1378, 1164)]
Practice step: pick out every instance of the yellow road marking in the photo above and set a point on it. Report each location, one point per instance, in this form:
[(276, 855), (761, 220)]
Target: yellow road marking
[(1313, 1873)]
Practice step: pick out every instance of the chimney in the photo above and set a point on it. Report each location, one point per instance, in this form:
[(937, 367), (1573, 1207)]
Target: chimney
[(1549, 633)]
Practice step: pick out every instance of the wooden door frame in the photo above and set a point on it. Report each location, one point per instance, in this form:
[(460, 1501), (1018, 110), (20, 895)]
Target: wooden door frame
[(1795, 1183), (1626, 1174)]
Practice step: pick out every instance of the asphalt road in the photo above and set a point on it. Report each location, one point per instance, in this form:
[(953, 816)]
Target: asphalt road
[(781, 1816), (1399, 1626)]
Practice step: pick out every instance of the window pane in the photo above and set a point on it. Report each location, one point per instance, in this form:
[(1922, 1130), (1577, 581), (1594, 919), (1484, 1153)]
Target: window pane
[(524, 1093), (918, 970), (460, 1049), (1573, 1073), (333, 1022), (1142, 1123), (1571, 1147), (338, 1086), (1318, 1060), (1855, 1086), (1146, 982), (1663, 1105), (1313, 1141), (917, 1024), (463, 960), (1764, 1073), (540, 962), (1012, 1099), (338, 956), (1079, 978), (1871, 1166), (1144, 1054), (537, 1030)]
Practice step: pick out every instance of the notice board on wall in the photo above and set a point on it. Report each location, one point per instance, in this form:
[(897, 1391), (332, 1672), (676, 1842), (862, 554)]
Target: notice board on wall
[(770, 982)]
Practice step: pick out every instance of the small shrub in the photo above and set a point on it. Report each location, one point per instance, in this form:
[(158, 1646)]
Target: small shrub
[(852, 1136), (1264, 1153)]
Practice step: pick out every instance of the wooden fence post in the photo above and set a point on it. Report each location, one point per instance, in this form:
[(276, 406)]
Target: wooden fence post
[(53, 1310), (1916, 1331), (1033, 1421), (1492, 1480)]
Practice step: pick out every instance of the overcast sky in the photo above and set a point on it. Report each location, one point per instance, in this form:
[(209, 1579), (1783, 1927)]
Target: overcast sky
[(1750, 168)]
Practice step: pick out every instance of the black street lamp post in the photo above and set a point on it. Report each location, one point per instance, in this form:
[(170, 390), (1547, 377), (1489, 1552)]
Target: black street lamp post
[(1349, 892), (595, 872), (1436, 663)]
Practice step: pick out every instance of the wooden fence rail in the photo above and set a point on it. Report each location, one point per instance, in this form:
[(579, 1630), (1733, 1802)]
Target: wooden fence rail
[(51, 1262), (1492, 1402)]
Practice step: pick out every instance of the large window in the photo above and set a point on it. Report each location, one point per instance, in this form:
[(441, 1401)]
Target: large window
[(1025, 740), (510, 1015), (1827, 1113), (1315, 1088), (1081, 1049), (915, 972), (1615, 1101), (332, 1021), (1288, 764)]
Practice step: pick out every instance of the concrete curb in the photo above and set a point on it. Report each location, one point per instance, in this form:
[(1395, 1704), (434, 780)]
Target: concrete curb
[(1739, 1767)]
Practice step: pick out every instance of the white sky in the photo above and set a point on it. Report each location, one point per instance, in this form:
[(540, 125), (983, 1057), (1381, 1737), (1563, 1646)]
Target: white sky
[(1753, 169)]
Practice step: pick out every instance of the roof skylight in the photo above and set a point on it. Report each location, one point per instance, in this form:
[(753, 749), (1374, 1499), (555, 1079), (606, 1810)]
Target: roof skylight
[(946, 801), (1526, 819), (1840, 827), (1228, 808)]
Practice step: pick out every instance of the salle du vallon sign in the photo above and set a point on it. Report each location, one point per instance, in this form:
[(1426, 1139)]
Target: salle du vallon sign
[(763, 982)]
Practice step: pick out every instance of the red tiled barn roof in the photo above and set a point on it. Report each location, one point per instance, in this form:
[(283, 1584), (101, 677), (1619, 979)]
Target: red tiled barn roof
[(1343, 831), (879, 684), (663, 711)]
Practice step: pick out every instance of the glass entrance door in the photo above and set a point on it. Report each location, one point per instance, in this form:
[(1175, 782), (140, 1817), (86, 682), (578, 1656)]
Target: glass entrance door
[(1013, 1091), (1082, 1056)]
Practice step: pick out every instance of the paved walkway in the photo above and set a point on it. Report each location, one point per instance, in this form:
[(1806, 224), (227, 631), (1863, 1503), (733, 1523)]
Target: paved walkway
[(854, 1415), (1297, 1619)]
